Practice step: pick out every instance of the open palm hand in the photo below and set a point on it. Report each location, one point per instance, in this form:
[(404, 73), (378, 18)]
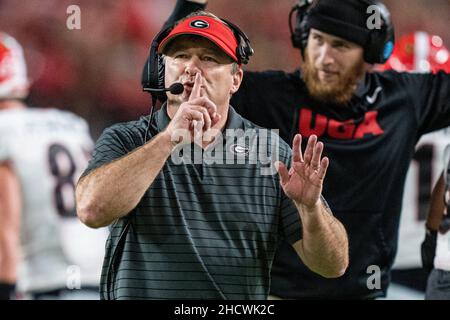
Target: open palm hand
[(304, 181)]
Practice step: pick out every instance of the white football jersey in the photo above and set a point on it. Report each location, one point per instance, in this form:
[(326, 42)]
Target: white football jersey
[(442, 258), (423, 173), (49, 150)]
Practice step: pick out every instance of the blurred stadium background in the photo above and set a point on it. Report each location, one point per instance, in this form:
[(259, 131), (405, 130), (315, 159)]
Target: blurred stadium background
[(95, 72)]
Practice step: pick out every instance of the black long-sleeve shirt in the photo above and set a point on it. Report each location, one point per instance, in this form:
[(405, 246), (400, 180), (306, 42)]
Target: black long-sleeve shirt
[(370, 143)]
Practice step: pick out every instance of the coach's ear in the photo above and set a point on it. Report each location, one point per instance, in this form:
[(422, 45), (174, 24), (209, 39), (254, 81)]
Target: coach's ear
[(237, 79)]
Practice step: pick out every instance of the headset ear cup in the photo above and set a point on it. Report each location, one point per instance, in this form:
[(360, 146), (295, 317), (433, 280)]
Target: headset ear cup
[(153, 73), (145, 80), (376, 48), (161, 74), (297, 37), (247, 51), (388, 49), (241, 52), (244, 50), (304, 33), (300, 32), (371, 49), (380, 45)]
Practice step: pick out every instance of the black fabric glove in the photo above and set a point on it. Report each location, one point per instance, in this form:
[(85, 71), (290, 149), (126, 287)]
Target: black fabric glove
[(6, 290), (428, 250)]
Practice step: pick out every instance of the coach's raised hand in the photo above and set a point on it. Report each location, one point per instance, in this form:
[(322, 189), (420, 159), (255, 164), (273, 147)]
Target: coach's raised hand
[(193, 117), (303, 182), (324, 237)]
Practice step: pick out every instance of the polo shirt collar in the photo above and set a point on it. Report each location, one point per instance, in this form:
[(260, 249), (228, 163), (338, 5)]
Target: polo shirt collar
[(234, 120), (162, 118)]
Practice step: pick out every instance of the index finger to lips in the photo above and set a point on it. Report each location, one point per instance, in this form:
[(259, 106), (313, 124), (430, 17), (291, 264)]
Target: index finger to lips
[(195, 93)]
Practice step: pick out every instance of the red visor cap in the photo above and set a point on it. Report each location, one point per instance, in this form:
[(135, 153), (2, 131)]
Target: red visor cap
[(207, 27)]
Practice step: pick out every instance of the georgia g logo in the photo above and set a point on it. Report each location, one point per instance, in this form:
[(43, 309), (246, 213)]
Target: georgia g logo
[(199, 24), (239, 149)]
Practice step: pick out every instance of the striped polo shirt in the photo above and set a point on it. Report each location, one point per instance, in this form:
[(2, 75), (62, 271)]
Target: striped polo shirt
[(204, 229)]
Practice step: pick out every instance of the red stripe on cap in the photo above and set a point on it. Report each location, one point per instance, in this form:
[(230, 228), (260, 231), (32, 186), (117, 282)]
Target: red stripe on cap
[(207, 27), (5, 67)]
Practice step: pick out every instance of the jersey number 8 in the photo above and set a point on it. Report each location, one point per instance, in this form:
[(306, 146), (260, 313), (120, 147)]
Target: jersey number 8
[(63, 168)]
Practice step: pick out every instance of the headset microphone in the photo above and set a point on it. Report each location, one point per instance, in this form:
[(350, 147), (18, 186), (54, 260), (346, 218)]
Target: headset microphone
[(175, 88)]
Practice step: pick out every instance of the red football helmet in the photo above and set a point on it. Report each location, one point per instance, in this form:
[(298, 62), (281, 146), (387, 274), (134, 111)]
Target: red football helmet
[(13, 71), (419, 52)]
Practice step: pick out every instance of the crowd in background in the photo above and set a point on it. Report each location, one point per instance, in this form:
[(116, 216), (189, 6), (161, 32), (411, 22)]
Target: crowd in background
[(96, 71)]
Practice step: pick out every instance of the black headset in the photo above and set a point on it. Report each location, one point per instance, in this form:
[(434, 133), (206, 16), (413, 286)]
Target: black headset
[(153, 73), (378, 47)]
